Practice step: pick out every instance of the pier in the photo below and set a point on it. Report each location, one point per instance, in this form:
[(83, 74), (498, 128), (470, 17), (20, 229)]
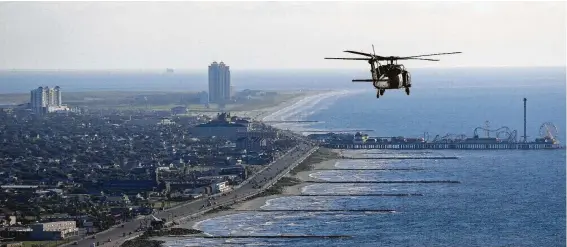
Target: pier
[(438, 146)]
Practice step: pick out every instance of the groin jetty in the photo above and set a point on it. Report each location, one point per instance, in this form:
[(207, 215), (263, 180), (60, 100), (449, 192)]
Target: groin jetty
[(388, 182), (268, 236), (383, 194), (320, 210), (401, 158), (370, 169)]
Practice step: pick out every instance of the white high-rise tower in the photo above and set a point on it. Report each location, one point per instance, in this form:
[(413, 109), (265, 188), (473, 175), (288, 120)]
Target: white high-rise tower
[(43, 98), (219, 83)]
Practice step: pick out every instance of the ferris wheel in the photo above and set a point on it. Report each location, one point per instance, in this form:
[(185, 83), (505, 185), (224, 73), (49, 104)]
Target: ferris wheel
[(548, 130)]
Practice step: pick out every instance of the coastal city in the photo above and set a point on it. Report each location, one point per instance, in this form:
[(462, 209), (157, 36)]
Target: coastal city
[(69, 172), (77, 175), (181, 124), (89, 176)]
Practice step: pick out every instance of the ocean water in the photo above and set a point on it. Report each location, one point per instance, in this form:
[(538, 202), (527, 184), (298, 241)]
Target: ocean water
[(504, 198)]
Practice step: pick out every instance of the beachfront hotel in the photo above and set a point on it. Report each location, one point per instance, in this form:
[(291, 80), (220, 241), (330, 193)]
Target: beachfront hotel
[(45, 99), (219, 83)]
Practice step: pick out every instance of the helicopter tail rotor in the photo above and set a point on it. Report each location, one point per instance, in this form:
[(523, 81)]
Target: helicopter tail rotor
[(373, 51)]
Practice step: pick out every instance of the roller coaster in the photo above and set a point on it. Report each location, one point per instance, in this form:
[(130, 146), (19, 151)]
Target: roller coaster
[(503, 133), (547, 131)]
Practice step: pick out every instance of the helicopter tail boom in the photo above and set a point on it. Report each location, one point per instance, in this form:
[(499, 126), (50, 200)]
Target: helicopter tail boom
[(366, 80)]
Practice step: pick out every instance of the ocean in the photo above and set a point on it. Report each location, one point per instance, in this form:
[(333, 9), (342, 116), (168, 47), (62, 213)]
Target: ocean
[(504, 198)]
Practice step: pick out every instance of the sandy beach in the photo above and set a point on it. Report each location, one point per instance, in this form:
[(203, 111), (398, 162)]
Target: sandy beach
[(276, 113), (259, 202), (285, 109)]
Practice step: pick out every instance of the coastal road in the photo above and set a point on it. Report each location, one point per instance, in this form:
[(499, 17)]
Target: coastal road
[(260, 179)]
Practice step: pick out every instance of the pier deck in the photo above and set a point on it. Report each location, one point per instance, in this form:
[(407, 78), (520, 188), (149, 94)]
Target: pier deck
[(455, 146)]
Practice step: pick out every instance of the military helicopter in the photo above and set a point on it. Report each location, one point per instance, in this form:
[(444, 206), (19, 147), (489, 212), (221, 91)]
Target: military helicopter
[(390, 75)]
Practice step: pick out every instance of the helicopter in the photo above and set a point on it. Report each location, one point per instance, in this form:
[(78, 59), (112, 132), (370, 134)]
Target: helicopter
[(390, 75)]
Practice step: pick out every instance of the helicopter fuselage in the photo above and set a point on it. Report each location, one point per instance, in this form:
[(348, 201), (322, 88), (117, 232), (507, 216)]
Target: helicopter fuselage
[(392, 77)]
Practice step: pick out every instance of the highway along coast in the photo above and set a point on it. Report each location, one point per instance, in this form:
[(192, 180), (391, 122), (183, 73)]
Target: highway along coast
[(254, 186)]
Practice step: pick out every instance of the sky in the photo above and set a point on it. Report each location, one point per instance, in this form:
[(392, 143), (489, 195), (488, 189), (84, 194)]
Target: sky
[(276, 35)]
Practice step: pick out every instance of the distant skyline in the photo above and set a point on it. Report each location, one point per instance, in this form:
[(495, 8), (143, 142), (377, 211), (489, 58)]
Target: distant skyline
[(276, 35)]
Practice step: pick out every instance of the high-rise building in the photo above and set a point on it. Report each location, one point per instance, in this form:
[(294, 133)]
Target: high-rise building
[(219, 83), (57, 96), (46, 99), (39, 99)]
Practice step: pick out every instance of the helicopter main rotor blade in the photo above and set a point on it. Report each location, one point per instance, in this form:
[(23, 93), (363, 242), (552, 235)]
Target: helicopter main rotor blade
[(408, 58), (360, 53), (348, 58), (435, 54)]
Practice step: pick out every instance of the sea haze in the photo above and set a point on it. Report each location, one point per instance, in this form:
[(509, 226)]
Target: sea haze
[(73, 81)]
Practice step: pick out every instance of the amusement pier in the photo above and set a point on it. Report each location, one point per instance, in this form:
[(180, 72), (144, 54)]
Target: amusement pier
[(493, 139)]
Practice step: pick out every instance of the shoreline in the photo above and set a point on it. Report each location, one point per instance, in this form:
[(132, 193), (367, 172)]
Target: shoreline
[(297, 176), (277, 112), (274, 112)]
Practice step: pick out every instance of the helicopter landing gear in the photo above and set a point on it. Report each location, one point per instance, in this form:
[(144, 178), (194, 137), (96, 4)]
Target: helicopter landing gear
[(407, 90), (380, 92)]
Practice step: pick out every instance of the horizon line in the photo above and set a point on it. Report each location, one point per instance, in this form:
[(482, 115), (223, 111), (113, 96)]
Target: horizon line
[(164, 70)]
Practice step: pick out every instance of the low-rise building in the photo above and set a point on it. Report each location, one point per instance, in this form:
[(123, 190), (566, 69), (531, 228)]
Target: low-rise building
[(260, 133), (16, 233), (251, 143), (221, 187), (54, 230), (220, 127)]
